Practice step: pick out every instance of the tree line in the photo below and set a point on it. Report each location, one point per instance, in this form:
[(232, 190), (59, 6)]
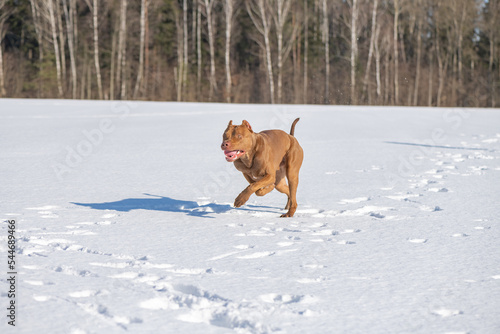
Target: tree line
[(377, 52)]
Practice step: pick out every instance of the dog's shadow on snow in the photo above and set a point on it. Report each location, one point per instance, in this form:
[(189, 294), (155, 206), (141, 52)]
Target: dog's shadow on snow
[(161, 203)]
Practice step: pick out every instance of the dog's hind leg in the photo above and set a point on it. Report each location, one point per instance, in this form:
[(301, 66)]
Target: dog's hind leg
[(282, 187), (293, 164)]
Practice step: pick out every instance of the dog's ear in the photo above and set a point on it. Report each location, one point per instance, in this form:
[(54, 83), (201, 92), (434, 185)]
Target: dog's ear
[(245, 123), (230, 123)]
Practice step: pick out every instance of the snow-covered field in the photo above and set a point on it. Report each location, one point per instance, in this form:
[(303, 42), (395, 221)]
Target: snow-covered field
[(124, 221)]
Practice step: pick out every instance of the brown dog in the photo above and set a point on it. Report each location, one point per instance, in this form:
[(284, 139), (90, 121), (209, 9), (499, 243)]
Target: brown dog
[(264, 158)]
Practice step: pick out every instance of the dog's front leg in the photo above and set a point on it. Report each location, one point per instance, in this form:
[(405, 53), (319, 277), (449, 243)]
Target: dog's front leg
[(242, 198)]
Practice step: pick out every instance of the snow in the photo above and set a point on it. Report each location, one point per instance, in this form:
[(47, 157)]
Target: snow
[(125, 220)]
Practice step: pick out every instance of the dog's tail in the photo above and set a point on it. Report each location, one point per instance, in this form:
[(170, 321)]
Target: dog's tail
[(292, 130)]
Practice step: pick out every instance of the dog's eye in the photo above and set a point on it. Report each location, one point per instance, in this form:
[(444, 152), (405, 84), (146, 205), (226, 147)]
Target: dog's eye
[(240, 136)]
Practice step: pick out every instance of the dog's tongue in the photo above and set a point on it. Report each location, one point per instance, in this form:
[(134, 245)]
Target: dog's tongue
[(233, 155)]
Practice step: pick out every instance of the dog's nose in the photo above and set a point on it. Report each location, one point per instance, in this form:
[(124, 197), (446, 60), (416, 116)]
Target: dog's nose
[(225, 145)]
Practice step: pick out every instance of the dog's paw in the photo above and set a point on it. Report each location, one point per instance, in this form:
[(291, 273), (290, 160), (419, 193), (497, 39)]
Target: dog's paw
[(241, 199), (290, 212)]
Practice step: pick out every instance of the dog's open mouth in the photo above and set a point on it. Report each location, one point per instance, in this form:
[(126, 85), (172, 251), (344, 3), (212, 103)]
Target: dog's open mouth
[(233, 155)]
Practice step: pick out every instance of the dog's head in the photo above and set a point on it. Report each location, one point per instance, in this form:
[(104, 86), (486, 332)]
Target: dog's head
[(237, 140)]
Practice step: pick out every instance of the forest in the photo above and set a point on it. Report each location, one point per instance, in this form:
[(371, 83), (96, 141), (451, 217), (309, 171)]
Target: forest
[(443, 53)]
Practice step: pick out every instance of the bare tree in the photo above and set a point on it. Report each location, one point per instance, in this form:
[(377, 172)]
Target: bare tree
[(280, 18), (4, 14), (194, 7), (387, 48), (419, 17), (354, 49), (460, 27), (84, 69), (229, 10), (68, 14), (259, 12), (121, 52), (492, 30), (296, 54), (185, 43), (209, 4), (146, 49), (72, 7), (179, 70), (140, 73), (441, 70), (112, 70), (396, 53), (377, 63), (61, 40), (52, 20), (372, 46), (491, 20), (306, 49), (95, 16), (198, 47), (431, 79), (325, 36), (3, 92)]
